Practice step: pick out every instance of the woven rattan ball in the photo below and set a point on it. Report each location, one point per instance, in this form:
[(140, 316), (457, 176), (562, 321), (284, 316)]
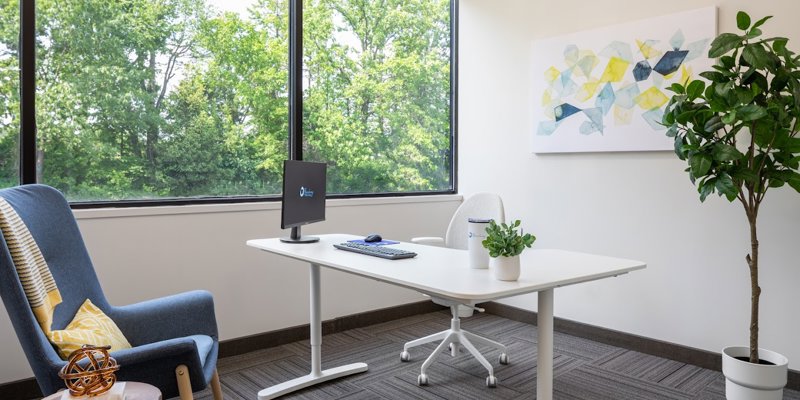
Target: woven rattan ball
[(89, 371)]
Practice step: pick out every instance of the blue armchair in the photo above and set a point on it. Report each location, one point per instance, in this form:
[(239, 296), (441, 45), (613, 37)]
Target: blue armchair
[(174, 339)]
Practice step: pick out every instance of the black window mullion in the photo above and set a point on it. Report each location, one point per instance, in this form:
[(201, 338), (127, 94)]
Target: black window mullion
[(27, 88), (296, 79)]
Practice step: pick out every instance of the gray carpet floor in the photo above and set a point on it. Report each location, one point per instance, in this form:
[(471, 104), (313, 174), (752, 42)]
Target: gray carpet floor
[(583, 369)]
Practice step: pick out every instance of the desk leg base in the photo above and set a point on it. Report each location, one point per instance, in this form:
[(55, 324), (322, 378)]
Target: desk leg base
[(310, 380)]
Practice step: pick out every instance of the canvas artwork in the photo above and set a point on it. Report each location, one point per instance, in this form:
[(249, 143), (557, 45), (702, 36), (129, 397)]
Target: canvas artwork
[(606, 89)]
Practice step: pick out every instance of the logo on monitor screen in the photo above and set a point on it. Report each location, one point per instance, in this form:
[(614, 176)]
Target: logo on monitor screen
[(306, 192)]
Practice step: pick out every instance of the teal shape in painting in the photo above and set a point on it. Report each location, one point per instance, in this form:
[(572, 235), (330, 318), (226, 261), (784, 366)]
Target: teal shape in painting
[(605, 99)]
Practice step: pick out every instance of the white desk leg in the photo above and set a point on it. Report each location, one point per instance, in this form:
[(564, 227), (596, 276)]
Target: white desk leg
[(317, 375), (544, 367)]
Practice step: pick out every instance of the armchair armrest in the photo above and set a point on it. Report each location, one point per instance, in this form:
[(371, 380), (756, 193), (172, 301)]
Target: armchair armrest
[(190, 313), (429, 240)]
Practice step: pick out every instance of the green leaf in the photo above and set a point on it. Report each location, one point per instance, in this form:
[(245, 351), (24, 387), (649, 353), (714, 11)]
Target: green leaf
[(726, 152), (714, 76), (725, 186), (779, 44), (761, 21), (729, 118), (794, 181), (751, 112), (742, 20), (705, 189), (700, 164), (756, 55), (677, 88), (695, 89), (723, 44)]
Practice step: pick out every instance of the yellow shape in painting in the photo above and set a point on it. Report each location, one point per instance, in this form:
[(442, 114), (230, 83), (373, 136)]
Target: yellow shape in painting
[(686, 74), (588, 90), (615, 70), (622, 116), (651, 99), (647, 51), (551, 74), (547, 97)]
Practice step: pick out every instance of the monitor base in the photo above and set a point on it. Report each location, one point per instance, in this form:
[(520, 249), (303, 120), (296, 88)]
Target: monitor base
[(301, 239)]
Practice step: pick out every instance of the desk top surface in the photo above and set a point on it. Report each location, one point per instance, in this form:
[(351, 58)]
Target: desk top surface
[(444, 272)]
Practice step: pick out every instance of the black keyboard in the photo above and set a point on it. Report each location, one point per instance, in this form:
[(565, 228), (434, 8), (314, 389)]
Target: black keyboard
[(376, 251)]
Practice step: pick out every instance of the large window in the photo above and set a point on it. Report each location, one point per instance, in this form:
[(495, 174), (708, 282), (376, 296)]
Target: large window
[(190, 99), (9, 93)]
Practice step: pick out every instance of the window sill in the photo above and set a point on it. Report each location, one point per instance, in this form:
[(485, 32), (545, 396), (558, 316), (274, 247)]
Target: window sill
[(95, 213)]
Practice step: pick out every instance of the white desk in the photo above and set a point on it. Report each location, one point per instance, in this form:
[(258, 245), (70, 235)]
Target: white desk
[(442, 272)]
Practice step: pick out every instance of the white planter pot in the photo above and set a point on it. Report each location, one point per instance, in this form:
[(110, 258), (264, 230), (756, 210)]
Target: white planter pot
[(748, 381), (505, 268)]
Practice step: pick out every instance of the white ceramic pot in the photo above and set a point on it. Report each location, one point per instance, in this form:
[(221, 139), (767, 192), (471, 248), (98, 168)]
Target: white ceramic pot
[(505, 268), (748, 381)]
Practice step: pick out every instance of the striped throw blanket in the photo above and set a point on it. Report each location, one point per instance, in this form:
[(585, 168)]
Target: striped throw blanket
[(38, 283)]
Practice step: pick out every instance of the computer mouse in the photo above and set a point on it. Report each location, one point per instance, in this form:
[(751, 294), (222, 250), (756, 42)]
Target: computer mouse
[(373, 238)]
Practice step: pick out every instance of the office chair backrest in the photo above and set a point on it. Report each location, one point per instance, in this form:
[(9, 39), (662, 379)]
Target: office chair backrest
[(479, 205)]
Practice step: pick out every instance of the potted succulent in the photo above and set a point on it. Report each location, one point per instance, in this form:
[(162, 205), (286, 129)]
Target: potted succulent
[(505, 245), (738, 133)]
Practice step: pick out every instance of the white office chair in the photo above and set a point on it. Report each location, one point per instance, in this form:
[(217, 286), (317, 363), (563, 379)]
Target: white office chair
[(480, 205)]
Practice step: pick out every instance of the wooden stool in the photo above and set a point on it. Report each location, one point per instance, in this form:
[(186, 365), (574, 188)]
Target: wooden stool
[(133, 391)]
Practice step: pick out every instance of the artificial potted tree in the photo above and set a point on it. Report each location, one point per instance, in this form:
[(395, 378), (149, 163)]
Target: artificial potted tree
[(505, 244), (739, 134)]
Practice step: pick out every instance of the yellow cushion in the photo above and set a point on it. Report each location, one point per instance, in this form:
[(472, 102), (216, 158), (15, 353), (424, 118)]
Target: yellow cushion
[(90, 326)]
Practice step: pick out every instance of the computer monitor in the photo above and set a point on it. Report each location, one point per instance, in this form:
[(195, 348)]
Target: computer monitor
[(303, 199)]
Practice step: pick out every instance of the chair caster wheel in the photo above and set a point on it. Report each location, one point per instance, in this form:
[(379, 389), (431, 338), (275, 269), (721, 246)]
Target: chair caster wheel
[(491, 381), (422, 380), (405, 356), (504, 359)]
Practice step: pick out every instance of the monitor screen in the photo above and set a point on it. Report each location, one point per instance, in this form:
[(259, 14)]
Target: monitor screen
[(303, 193)]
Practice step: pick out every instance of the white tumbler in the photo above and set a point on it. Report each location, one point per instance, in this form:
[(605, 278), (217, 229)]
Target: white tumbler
[(476, 233)]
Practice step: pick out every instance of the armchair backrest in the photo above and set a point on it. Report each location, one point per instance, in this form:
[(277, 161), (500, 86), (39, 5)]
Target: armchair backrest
[(50, 221), (479, 205)]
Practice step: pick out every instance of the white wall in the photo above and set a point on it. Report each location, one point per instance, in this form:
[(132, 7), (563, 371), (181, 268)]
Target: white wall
[(695, 291), (140, 257)]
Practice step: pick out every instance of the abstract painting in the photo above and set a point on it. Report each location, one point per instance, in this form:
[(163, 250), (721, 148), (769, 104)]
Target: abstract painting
[(606, 89)]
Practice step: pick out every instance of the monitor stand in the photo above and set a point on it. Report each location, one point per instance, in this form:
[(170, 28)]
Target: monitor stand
[(296, 237)]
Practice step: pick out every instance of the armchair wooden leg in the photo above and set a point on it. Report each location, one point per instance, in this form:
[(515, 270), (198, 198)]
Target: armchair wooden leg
[(215, 386), (184, 383)]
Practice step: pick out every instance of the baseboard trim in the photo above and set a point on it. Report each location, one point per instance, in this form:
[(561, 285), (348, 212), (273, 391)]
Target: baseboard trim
[(659, 348)]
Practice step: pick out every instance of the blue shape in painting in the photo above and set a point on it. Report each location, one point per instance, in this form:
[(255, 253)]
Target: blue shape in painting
[(565, 110), (670, 61), (546, 128), (588, 128), (642, 71), (619, 50), (566, 76), (696, 49), (605, 99), (654, 117), (595, 119), (677, 40), (626, 96)]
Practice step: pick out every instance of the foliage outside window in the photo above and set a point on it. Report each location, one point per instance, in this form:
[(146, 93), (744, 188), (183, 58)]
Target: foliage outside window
[(9, 94), (164, 99)]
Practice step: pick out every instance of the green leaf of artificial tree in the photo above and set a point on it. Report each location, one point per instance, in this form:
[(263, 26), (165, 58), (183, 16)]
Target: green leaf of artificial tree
[(723, 44), (700, 164), (726, 187), (726, 152), (761, 21), (751, 112), (695, 89), (742, 20)]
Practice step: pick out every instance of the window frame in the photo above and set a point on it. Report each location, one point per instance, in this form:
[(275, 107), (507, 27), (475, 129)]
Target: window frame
[(27, 135)]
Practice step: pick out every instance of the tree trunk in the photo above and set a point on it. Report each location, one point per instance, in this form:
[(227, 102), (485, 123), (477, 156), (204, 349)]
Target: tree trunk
[(752, 262)]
